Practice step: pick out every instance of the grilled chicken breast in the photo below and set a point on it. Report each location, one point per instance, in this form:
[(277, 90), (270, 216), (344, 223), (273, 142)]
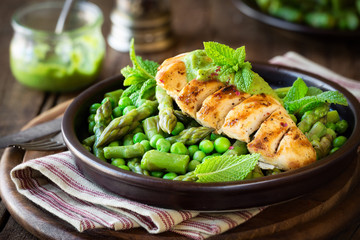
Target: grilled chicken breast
[(194, 93), (213, 116), (239, 115), (171, 75), (245, 118)]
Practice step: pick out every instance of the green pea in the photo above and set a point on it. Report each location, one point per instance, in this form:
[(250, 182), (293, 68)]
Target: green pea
[(124, 167), (192, 149), (179, 148), (341, 126), (332, 117), (113, 104), (154, 139), (157, 174), (94, 108), (128, 109), (199, 155), (170, 176), (163, 145), (128, 140), (114, 143), (339, 141), (117, 112), (214, 136), (178, 128), (137, 130), (331, 125), (146, 145), (91, 127), (333, 150), (192, 165), (207, 157), (222, 144), (118, 161), (91, 118), (138, 137), (124, 102), (206, 146)]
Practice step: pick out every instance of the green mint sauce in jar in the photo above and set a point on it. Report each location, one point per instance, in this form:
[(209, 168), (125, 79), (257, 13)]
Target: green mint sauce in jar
[(44, 60)]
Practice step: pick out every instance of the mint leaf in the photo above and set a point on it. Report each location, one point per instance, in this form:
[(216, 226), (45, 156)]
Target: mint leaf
[(247, 76), (231, 61), (297, 91), (141, 70), (220, 53), (329, 97), (312, 91), (226, 168), (240, 55)]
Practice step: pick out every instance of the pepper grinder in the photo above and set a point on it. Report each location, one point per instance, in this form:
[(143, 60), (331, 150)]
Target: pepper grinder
[(147, 21)]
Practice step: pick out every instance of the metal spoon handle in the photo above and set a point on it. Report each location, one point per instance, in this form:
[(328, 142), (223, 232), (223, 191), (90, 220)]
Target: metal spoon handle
[(63, 15)]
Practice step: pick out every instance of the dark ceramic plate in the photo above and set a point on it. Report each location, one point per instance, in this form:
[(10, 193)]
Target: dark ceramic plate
[(250, 9), (212, 196)]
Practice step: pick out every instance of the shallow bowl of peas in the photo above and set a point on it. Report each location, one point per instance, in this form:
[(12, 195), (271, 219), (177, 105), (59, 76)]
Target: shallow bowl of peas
[(294, 20), (220, 196)]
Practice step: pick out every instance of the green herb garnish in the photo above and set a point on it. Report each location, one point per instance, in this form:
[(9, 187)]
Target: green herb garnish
[(226, 168), (299, 99), (231, 61), (141, 71)]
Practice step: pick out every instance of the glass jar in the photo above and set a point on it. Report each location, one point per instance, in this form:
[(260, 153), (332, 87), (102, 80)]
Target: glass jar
[(44, 60)]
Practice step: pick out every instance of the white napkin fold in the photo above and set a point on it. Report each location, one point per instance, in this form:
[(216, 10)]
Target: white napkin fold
[(55, 183), (295, 60)]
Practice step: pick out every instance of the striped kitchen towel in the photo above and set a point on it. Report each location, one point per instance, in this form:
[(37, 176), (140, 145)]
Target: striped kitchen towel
[(295, 60), (55, 183)]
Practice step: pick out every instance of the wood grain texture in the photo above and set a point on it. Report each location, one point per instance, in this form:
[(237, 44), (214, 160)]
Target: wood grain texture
[(193, 22)]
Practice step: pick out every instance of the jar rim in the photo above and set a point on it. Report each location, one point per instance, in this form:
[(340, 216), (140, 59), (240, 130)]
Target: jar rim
[(80, 6)]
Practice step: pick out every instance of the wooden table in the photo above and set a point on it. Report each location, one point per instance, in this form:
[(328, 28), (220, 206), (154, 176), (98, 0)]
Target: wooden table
[(205, 20)]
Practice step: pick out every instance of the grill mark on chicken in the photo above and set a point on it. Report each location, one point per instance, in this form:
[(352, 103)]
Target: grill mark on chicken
[(194, 93), (213, 116), (246, 117), (273, 129)]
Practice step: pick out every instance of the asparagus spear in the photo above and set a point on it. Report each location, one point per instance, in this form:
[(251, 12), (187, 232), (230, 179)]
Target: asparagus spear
[(118, 127), (135, 166), (182, 117), (323, 146), (151, 127), (188, 177), (312, 116), (89, 141), (167, 118), (102, 119), (115, 95), (317, 131), (129, 151), (154, 160), (191, 135), (238, 148)]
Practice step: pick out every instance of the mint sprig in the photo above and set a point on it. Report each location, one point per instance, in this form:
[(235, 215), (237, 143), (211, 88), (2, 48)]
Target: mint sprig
[(226, 168), (141, 71), (300, 98), (232, 61)]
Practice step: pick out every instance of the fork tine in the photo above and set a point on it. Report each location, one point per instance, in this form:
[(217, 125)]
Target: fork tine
[(42, 148), (54, 142)]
